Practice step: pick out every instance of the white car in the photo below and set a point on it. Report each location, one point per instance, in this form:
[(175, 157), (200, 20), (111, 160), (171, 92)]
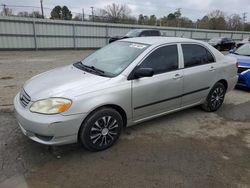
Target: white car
[(124, 83)]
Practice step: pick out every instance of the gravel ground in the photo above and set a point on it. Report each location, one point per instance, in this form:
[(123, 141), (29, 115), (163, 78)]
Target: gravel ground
[(190, 148)]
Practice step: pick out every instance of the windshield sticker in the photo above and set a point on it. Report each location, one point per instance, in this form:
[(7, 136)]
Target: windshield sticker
[(139, 46)]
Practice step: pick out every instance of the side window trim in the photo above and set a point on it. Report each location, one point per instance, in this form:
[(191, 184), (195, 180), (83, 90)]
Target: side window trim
[(208, 50), (161, 46), (151, 51)]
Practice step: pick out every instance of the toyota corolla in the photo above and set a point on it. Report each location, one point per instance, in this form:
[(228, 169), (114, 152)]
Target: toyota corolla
[(124, 83)]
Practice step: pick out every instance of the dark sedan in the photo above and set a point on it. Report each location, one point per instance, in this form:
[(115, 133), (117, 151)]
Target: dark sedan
[(222, 43), (137, 33)]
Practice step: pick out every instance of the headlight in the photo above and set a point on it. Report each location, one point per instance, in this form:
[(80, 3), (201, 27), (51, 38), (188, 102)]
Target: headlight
[(51, 106)]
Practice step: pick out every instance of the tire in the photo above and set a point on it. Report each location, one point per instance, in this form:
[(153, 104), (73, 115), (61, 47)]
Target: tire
[(215, 98), (101, 129)]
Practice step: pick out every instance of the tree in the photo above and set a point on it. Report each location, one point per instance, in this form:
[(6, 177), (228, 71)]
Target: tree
[(6, 12), (177, 13), (56, 13), (61, 13), (36, 14), (115, 12), (141, 19), (203, 23), (78, 17), (234, 22), (23, 14), (217, 20), (185, 22), (152, 20), (66, 13)]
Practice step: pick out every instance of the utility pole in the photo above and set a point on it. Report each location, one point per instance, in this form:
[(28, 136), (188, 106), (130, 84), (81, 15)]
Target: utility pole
[(5, 9), (178, 11), (82, 14), (41, 1), (92, 10), (244, 17)]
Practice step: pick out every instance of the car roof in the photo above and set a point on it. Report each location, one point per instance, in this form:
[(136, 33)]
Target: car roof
[(140, 30), (158, 40)]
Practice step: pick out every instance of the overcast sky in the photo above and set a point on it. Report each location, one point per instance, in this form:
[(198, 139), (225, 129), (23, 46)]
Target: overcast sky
[(194, 9)]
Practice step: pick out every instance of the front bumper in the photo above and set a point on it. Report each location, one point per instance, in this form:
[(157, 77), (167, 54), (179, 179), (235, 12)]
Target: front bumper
[(244, 79), (48, 129)]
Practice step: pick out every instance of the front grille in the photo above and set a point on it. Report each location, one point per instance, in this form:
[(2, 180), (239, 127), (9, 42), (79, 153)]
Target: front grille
[(242, 69), (24, 98)]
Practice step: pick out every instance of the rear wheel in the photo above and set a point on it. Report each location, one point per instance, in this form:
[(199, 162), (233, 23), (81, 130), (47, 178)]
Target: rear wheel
[(215, 98), (101, 129)]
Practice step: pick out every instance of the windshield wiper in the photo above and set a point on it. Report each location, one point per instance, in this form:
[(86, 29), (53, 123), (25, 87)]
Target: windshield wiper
[(94, 69), (91, 69)]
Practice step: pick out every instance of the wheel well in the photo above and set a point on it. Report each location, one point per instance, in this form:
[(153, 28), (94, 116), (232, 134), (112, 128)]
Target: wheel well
[(121, 112), (224, 82), (117, 108)]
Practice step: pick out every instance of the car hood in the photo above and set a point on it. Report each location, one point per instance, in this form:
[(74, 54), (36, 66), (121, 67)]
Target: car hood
[(62, 82), (242, 60)]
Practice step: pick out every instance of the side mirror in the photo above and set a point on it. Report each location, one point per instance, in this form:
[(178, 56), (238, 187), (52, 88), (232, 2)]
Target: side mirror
[(231, 51), (143, 72)]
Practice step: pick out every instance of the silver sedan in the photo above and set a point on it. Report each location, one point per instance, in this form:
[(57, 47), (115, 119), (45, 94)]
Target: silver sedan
[(122, 84)]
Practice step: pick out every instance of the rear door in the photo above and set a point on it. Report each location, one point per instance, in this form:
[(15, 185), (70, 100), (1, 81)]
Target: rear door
[(200, 73), (162, 92)]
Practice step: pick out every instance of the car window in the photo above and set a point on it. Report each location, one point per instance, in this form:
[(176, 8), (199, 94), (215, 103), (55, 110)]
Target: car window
[(145, 33), (162, 60), (195, 55), (155, 33)]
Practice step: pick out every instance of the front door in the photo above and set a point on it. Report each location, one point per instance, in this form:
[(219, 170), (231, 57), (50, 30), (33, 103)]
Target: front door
[(162, 92)]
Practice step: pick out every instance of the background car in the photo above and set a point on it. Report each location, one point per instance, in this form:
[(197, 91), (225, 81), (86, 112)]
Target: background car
[(243, 58), (222, 43), (244, 41), (137, 33)]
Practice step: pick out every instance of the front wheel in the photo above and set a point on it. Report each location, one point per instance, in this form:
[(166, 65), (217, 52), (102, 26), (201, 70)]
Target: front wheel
[(215, 98), (101, 129)]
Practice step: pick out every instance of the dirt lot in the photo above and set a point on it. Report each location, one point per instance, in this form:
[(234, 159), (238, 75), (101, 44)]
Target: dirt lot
[(190, 148)]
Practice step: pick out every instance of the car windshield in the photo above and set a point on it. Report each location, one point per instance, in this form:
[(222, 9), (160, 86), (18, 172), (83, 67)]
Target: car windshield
[(243, 50), (114, 58), (215, 40), (133, 33)]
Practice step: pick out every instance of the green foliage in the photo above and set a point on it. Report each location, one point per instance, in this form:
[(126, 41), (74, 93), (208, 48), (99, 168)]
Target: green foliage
[(56, 13), (61, 13), (66, 13)]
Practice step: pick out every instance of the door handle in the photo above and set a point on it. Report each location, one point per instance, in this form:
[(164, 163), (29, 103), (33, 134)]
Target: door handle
[(177, 76), (212, 68)]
